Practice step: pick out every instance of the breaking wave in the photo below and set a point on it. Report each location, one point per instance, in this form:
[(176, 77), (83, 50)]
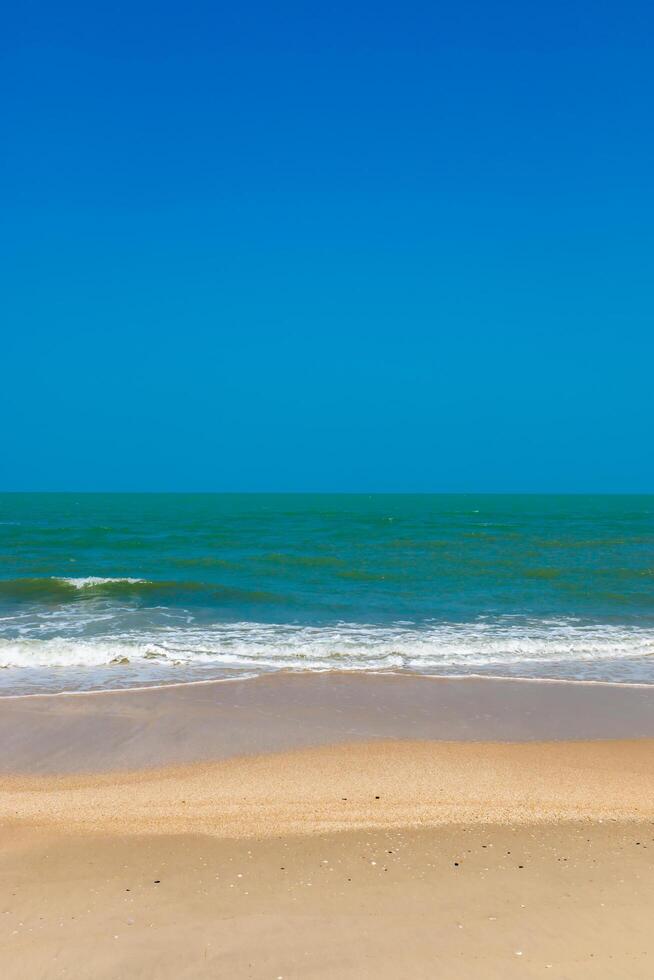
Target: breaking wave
[(530, 649), (60, 589)]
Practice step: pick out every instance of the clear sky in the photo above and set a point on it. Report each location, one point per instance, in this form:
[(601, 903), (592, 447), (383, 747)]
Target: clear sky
[(327, 246)]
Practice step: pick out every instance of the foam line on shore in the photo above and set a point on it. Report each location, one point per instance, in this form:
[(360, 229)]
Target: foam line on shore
[(248, 678)]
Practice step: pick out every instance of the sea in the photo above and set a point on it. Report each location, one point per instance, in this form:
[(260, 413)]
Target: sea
[(105, 591)]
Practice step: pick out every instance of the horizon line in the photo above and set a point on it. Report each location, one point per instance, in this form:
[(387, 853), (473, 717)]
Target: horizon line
[(343, 493)]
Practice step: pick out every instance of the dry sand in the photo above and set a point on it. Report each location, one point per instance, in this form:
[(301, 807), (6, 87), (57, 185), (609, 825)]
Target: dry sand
[(482, 903), (390, 857)]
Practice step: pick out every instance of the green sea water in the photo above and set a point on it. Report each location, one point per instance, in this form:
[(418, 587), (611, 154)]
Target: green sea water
[(118, 590)]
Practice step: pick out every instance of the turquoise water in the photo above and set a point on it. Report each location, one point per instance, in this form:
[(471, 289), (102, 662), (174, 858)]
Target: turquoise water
[(118, 590)]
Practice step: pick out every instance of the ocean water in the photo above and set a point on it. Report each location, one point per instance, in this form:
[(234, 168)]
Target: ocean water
[(120, 590)]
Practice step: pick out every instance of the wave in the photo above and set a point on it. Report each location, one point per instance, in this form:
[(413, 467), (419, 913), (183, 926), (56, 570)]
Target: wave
[(61, 589), (93, 581), (533, 647)]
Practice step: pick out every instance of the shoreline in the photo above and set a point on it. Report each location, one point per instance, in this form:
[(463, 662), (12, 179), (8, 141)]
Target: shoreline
[(284, 672)]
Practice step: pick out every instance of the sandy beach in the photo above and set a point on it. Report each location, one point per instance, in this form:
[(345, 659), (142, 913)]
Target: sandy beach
[(370, 846), (564, 900)]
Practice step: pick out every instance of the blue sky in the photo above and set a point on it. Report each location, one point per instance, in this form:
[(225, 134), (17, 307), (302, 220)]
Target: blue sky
[(327, 247)]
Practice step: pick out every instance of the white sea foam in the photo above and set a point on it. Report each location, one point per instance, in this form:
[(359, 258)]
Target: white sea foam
[(94, 580), (550, 648)]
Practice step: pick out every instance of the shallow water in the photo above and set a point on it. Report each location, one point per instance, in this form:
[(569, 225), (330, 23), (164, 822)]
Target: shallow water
[(118, 590)]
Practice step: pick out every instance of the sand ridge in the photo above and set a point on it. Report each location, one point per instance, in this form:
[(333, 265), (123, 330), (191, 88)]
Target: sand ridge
[(348, 786)]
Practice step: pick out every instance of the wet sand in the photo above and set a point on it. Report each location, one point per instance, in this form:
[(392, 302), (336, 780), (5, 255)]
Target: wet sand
[(341, 827), (216, 720)]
